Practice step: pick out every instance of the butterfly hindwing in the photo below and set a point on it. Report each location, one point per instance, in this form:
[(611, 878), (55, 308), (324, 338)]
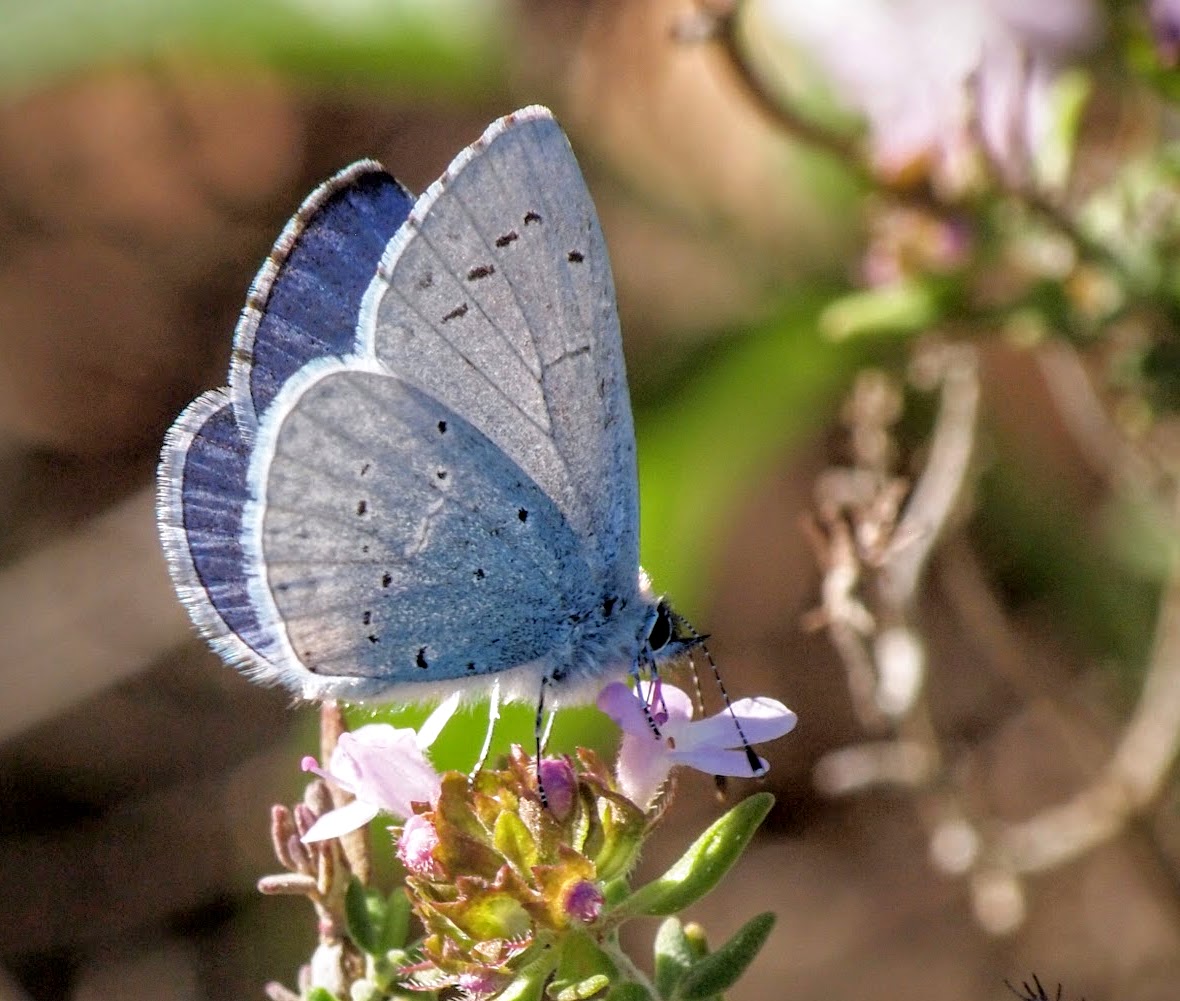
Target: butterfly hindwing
[(400, 543), (303, 304), (200, 502)]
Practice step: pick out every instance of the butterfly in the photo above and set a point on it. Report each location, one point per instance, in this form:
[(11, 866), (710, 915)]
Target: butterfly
[(422, 477)]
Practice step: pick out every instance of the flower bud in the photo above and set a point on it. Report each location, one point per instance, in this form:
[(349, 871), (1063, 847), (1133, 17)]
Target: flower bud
[(415, 847), (583, 901)]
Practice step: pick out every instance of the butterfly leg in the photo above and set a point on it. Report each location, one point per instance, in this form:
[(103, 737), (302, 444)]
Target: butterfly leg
[(653, 696), (751, 757), (540, 735), (493, 718)]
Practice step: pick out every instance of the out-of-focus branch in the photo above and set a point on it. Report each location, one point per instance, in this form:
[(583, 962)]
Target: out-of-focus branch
[(1131, 779), (1101, 445), (873, 552), (935, 493)]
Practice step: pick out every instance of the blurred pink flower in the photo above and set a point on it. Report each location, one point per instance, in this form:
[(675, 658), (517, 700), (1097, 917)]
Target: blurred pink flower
[(931, 78), (709, 745), (1165, 28), (385, 768)]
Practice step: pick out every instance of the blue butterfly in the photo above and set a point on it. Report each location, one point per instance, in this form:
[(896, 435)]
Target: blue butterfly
[(422, 476)]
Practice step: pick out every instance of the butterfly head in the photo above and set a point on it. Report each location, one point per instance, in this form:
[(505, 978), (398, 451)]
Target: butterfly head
[(668, 635)]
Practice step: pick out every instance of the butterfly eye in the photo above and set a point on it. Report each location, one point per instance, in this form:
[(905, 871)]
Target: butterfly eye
[(661, 629)]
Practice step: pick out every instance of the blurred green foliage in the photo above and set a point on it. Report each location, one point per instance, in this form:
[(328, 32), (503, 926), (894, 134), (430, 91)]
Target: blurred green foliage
[(440, 47)]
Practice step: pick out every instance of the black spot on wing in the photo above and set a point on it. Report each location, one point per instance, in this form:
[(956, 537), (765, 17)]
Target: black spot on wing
[(531, 217), (420, 660), (575, 257), (482, 271), (456, 313), (507, 238)]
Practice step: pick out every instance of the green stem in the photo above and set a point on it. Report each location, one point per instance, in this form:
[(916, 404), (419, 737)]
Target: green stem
[(621, 960)]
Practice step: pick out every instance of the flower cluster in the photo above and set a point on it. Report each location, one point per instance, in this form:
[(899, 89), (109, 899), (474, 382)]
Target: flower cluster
[(503, 882), (518, 877)]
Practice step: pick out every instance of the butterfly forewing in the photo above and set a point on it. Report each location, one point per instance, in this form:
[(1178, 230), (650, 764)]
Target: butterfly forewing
[(496, 298)]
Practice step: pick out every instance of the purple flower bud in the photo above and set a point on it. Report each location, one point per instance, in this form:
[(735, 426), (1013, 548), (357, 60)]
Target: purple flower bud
[(415, 848), (560, 784), (1165, 27), (583, 901), (480, 985)]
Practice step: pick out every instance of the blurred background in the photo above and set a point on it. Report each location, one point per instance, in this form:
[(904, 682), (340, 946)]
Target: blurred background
[(898, 285)]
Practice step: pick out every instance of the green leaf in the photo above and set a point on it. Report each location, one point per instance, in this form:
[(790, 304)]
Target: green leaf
[(583, 969), (1069, 95), (512, 839), (582, 989), (698, 944), (529, 984), (396, 928), (673, 956), (722, 969), (629, 991), (703, 865), (903, 308), (321, 994), (363, 914)]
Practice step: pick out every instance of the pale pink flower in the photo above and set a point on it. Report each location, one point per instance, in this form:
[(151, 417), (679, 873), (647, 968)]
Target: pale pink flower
[(932, 78), (385, 768), (710, 745)]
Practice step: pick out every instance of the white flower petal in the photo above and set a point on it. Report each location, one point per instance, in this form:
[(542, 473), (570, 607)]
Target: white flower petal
[(341, 821), (429, 731), (677, 703), (761, 719), (624, 707), (713, 761), (642, 766)]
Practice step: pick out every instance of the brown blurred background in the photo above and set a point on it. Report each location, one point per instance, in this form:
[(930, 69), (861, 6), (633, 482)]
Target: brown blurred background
[(139, 192)]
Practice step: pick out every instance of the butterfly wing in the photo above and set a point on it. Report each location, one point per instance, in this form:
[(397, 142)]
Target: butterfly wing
[(201, 496), (401, 544), (304, 301), (496, 298), (303, 304), (492, 315)]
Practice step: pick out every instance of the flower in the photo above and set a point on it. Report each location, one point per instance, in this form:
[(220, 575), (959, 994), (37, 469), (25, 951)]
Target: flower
[(934, 79), (385, 768), (505, 883), (415, 847), (709, 745), (583, 901), (1164, 16)]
